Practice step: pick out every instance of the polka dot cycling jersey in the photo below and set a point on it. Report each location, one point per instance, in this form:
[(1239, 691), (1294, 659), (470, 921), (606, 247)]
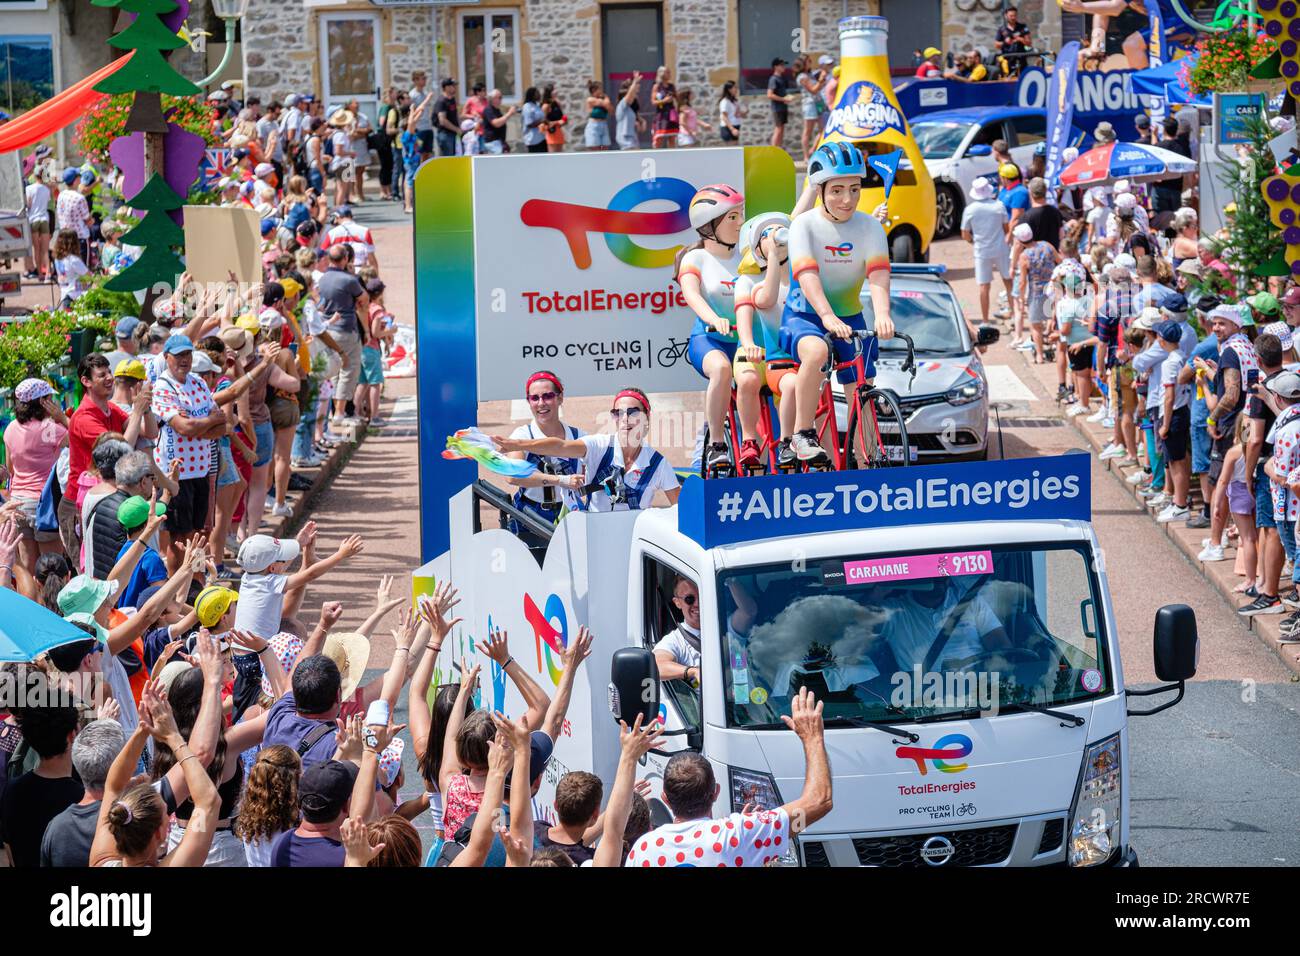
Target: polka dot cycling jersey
[(767, 322), (842, 255), (717, 285), (749, 839)]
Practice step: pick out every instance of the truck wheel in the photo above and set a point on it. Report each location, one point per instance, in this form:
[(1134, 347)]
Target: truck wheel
[(902, 248), (947, 212)]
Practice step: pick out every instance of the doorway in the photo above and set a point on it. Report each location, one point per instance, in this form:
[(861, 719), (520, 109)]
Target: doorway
[(913, 25), (349, 60), (631, 38)]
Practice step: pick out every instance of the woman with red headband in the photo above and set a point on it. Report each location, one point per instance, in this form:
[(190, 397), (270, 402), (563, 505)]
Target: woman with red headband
[(620, 471), (539, 493)]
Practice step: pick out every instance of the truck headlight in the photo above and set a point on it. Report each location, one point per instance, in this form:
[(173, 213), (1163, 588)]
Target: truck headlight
[(759, 790), (1094, 835), (966, 393)]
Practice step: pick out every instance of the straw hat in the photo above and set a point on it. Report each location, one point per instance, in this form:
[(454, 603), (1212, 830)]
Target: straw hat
[(350, 651), (341, 117)]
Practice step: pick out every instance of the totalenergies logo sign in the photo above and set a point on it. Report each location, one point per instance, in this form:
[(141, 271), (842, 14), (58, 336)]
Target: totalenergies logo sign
[(951, 747), (618, 222), (549, 636), (863, 112)]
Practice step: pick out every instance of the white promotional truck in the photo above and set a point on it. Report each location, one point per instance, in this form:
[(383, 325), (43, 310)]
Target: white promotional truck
[(954, 619)]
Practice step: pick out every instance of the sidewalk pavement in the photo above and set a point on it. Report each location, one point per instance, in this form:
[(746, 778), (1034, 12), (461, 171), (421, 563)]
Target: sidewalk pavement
[(1219, 574)]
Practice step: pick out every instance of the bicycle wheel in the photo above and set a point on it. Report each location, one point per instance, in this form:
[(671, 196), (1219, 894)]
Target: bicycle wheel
[(867, 444)]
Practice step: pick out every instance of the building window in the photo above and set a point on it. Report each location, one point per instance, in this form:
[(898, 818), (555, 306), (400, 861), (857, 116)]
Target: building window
[(767, 30), (489, 52), (26, 72)]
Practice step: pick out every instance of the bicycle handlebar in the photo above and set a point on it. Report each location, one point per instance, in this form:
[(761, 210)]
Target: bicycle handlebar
[(860, 336)]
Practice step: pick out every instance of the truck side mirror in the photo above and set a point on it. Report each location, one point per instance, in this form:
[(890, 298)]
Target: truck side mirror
[(1175, 643), (980, 149), (1176, 647), (987, 335), (634, 685)]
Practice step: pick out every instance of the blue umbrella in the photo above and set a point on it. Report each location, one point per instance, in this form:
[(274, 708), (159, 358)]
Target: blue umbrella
[(28, 629), (1166, 80)]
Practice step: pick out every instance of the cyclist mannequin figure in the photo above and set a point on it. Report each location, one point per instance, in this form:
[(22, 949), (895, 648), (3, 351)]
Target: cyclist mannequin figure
[(706, 271), (833, 250), (761, 290), (619, 472), (541, 492)]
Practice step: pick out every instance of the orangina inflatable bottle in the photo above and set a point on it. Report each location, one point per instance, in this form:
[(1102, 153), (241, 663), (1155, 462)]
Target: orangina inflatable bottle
[(867, 115)]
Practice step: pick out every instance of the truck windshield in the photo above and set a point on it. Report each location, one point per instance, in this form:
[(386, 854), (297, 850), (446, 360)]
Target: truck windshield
[(914, 636)]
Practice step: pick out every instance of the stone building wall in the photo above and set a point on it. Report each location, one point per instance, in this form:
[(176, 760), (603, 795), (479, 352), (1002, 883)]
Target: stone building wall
[(560, 43)]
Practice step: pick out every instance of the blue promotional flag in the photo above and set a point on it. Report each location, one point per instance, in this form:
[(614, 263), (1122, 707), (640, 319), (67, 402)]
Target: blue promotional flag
[(887, 167), (1156, 55), (1060, 110)]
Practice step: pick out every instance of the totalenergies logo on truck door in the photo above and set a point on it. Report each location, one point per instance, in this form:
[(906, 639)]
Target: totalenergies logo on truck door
[(951, 747), (549, 637), (618, 221), (864, 112)]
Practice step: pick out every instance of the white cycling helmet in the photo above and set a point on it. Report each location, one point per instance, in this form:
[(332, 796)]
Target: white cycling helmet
[(752, 231)]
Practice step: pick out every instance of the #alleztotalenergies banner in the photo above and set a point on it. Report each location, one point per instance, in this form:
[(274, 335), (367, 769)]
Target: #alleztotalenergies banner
[(563, 262)]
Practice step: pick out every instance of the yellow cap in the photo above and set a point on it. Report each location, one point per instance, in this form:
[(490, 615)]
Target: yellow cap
[(212, 603), (932, 51), (130, 368), (835, 72), (248, 323), (290, 286), (1009, 171)]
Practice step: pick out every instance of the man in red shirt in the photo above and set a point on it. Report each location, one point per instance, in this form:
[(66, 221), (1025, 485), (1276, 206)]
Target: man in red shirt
[(95, 415), (929, 68)]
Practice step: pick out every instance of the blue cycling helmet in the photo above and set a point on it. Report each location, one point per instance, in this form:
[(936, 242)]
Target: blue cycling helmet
[(836, 161), (1040, 149)]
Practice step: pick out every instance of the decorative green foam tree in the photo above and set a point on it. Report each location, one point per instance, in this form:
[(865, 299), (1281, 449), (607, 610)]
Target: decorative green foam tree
[(158, 236), (148, 70)]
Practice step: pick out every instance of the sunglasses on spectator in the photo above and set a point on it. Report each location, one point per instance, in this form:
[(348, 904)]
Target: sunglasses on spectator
[(624, 412), (689, 599), (542, 397)]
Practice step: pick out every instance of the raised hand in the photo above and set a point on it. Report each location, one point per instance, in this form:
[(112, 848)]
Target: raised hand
[(805, 715), (501, 754), (352, 546), (404, 633), (471, 679), (350, 745), (579, 648), (209, 655), (637, 741), (330, 612), (356, 843), (518, 853), (109, 710), (516, 730), (250, 641), (307, 535), (497, 647), (385, 590)]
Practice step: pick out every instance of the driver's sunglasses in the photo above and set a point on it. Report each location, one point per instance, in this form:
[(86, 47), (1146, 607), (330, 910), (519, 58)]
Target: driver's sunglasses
[(542, 397), (689, 599), (629, 413)]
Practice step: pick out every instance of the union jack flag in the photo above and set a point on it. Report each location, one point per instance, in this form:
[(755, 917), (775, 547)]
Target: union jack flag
[(215, 165)]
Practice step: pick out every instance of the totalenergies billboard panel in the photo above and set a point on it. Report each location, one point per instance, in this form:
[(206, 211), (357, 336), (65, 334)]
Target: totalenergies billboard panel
[(573, 260), (563, 262)]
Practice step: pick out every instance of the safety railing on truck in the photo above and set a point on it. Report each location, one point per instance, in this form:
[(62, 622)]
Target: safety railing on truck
[(503, 501)]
